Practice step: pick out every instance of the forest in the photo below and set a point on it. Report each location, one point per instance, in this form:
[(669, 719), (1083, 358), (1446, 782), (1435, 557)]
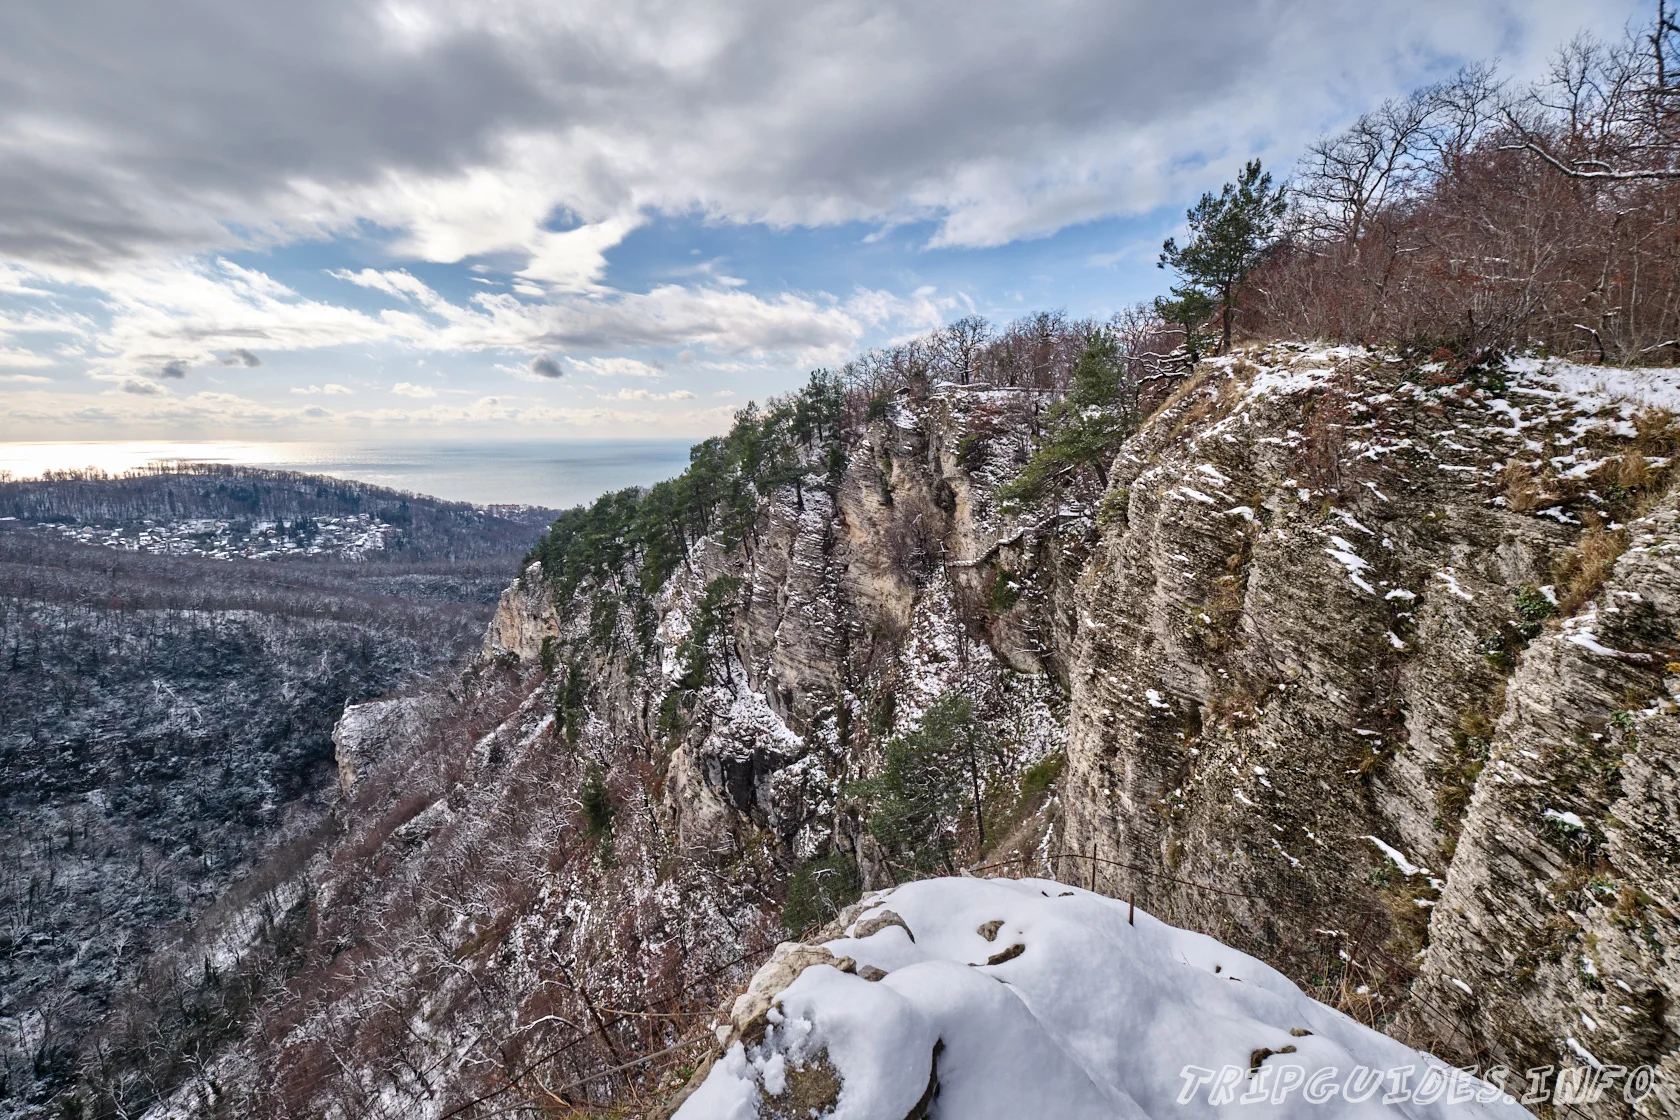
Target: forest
[(166, 720)]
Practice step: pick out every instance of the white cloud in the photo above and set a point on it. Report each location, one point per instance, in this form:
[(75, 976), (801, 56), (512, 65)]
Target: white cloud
[(396, 282), (649, 395), (615, 367), (15, 358), (572, 261), (156, 413), (330, 389), (24, 379), (996, 122), (167, 319), (136, 158)]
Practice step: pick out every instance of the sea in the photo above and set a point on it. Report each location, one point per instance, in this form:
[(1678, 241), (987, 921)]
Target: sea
[(554, 473)]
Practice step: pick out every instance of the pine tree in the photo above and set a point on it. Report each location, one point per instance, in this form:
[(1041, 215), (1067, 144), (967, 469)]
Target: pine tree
[(1188, 309), (1086, 427), (1229, 236)]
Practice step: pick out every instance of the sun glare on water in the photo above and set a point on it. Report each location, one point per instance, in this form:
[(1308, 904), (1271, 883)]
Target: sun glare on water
[(32, 460)]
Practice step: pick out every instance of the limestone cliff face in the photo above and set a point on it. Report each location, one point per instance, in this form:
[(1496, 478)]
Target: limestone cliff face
[(860, 604), (1296, 642), (1555, 939), (524, 619)]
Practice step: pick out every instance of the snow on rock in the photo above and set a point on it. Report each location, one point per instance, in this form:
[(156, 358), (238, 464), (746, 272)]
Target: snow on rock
[(996, 998)]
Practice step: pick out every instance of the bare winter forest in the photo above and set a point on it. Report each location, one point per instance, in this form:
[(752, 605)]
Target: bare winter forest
[(166, 717)]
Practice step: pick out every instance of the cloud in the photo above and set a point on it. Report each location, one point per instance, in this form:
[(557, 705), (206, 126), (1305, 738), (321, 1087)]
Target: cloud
[(141, 152), (165, 319), (396, 282), (329, 389), (615, 367), (649, 395), (24, 379), (154, 413), (405, 389), (16, 358), (130, 134), (573, 260)]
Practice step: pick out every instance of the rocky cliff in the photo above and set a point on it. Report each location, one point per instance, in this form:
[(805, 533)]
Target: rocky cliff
[(1351, 689), (1357, 663)]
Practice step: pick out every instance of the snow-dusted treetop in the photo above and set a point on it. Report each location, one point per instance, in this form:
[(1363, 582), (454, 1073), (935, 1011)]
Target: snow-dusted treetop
[(1083, 1015)]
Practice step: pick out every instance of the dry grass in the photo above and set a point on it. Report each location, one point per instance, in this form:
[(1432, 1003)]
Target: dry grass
[(1522, 493), (1633, 472), (1582, 570)]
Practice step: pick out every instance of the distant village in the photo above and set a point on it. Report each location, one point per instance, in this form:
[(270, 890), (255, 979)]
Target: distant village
[(349, 537)]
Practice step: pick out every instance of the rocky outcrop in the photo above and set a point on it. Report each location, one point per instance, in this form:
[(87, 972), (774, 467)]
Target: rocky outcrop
[(1095, 1010), (366, 733), (1282, 641), (1295, 722), (523, 621), (1554, 942)]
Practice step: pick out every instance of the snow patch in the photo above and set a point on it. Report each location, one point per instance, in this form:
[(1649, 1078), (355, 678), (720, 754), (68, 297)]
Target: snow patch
[(1097, 1011)]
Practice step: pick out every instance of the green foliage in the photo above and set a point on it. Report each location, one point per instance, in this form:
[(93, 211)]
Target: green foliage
[(1004, 592), (718, 493), (603, 618), (1086, 427), (1112, 511), (568, 703), (1188, 309), (598, 808), (928, 784), (548, 652), (883, 713), (1008, 805), (1230, 234), (1037, 779), (819, 890), (877, 409), (1533, 605), (710, 632)]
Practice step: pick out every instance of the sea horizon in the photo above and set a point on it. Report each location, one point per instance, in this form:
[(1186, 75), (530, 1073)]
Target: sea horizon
[(557, 473)]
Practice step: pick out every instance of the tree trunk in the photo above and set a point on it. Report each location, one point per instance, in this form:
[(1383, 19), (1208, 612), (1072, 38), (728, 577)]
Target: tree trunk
[(1225, 322)]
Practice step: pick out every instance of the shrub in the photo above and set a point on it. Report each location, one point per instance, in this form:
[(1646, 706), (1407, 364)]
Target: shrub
[(1004, 592), (568, 704), (929, 783), (1086, 427), (598, 808), (819, 890), (1582, 570)]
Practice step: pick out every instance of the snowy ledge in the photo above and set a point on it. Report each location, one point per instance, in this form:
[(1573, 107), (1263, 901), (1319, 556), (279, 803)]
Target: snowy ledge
[(995, 999)]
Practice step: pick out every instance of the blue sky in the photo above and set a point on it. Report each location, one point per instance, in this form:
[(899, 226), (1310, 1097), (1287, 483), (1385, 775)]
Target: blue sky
[(390, 218)]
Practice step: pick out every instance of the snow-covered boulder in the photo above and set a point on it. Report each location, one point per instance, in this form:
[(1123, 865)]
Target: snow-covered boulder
[(993, 998)]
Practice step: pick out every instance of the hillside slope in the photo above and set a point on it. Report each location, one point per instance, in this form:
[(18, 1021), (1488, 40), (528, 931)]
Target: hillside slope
[(166, 726), (1290, 654)]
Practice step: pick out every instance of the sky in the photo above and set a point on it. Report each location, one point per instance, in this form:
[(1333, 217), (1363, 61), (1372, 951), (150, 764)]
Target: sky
[(344, 219)]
